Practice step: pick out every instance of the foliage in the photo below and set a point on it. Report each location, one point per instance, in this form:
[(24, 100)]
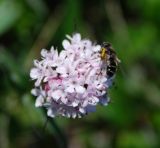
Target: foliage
[(133, 117)]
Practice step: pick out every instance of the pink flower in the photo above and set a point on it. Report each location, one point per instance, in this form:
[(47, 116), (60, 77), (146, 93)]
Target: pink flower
[(73, 82)]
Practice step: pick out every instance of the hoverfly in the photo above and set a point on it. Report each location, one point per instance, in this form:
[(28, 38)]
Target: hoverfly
[(108, 55)]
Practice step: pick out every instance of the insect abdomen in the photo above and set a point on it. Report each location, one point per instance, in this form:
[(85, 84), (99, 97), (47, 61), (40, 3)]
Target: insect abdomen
[(111, 67)]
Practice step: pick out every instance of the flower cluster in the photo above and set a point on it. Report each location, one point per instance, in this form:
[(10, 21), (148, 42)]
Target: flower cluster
[(70, 83)]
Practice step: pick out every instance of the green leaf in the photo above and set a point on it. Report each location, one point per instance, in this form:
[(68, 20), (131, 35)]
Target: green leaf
[(10, 11)]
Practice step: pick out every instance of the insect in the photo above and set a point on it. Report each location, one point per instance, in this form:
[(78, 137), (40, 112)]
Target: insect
[(108, 55)]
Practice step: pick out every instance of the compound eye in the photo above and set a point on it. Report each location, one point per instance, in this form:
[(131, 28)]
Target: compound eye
[(106, 44)]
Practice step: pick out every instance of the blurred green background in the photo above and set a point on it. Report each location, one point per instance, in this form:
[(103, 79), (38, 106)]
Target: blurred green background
[(132, 120)]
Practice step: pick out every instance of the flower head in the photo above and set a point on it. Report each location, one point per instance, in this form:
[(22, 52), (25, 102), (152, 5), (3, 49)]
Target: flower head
[(73, 82)]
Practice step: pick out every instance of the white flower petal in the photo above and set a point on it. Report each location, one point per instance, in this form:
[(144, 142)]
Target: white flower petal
[(68, 37), (39, 101), (64, 100), (52, 50), (50, 113), (65, 44), (44, 52), (80, 89), (76, 37), (82, 110), (74, 115), (34, 74), (56, 94), (63, 55), (96, 48), (36, 63), (95, 100), (85, 103), (75, 104), (61, 70), (34, 92), (88, 44), (37, 83), (68, 115), (79, 116), (70, 89)]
